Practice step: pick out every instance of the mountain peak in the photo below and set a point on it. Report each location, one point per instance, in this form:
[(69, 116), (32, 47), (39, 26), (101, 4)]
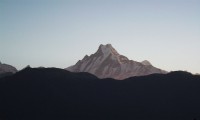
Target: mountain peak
[(6, 69), (108, 63), (107, 45), (107, 50)]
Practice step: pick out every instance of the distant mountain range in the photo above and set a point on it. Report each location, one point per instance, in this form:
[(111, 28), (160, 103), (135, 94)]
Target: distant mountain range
[(6, 70), (108, 63), (57, 94)]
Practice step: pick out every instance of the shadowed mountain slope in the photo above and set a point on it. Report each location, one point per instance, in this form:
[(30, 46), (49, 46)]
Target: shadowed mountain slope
[(51, 93)]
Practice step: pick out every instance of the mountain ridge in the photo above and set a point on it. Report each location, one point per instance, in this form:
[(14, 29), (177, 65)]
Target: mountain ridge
[(6, 70), (106, 62), (52, 93)]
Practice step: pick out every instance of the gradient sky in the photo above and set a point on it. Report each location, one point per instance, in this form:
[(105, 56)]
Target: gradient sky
[(57, 33)]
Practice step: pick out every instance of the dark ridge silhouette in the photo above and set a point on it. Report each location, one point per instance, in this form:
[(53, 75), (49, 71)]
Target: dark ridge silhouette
[(6, 74), (51, 93)]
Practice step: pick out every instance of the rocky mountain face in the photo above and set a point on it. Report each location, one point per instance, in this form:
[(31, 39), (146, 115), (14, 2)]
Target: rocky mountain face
[(108, 63), (6, 70)]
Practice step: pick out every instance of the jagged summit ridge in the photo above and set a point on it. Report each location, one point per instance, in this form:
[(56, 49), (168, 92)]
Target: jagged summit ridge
[(107, 49), (106, 62)]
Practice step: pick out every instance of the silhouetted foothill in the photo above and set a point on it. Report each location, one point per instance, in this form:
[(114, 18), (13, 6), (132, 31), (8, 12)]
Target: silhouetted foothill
[(51, 93)]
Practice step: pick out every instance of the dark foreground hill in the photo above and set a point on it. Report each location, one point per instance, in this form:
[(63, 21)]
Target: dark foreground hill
[(58, 94)]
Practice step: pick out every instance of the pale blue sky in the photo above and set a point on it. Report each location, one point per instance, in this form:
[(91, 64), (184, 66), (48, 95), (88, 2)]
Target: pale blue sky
[(57, 33)]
